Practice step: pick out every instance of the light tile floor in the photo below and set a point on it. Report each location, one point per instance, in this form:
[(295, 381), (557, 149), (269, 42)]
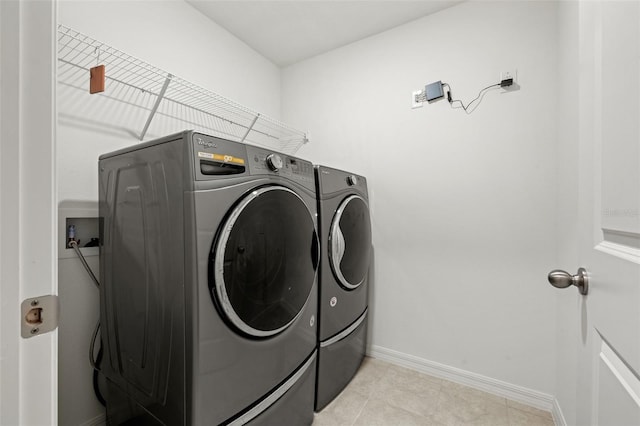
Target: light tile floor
[(383, 394)]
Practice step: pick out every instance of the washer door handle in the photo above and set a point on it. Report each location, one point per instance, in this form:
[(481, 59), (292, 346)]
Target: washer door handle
[(315, 250), (337, 246)]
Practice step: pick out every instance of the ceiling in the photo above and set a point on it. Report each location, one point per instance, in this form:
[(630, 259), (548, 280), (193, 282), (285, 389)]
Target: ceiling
[(287, 32)]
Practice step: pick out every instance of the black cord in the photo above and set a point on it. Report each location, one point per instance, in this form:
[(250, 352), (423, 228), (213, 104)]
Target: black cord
[(95, 364), (451, 101), (96, 377)]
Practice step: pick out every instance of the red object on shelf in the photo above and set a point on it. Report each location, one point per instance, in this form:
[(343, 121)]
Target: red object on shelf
[(96, 81)]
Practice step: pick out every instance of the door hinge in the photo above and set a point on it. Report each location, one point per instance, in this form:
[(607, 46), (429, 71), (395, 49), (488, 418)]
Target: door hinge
[(39, 315)]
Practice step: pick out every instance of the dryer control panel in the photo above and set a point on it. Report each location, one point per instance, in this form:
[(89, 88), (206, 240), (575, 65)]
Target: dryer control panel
[(334, 180)]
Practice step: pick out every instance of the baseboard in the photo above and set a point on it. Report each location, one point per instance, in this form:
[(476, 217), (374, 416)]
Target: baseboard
[(516, 393), (556, 413), (100, 420)]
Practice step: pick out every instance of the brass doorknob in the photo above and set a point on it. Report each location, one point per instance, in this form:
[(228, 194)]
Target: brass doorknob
[(562, 279)]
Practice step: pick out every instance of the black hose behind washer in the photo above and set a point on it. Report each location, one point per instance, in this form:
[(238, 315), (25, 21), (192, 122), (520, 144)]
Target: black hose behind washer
[(94, 363), (96, 377)]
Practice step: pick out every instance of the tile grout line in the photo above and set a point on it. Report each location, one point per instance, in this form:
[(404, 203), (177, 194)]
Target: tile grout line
[(361, 410), (368, 398)]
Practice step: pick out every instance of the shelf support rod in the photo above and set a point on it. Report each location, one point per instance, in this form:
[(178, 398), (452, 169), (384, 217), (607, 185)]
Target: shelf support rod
[(250, 127), (156, 105)]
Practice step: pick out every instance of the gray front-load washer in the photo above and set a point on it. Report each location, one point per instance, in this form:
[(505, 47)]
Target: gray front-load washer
[(208, 303), (345, 240)]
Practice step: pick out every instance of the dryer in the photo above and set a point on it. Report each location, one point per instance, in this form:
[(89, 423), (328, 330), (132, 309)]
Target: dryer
[(345, 239), (208, 262)]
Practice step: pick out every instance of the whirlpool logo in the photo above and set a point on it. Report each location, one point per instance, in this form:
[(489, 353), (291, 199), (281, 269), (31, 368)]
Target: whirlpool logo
[(202, 142)]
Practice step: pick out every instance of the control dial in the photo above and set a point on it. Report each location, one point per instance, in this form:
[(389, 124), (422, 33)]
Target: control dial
[(352, 180), (274, 162)]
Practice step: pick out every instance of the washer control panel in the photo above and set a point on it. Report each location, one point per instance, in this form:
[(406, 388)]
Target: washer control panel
[(262, 161), (215, 158)]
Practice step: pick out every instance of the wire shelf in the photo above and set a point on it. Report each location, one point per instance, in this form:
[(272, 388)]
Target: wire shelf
[(147, 91)]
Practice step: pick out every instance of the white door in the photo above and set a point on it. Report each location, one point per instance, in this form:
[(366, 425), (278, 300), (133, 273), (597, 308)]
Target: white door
[(28, 260), (608, 387)]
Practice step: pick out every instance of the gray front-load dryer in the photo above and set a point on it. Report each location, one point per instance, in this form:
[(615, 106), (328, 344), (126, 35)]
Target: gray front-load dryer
[(208, 300), (345, 241)]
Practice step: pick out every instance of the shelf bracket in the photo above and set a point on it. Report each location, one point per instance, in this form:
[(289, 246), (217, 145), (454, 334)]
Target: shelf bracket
[(156, 105), (250, 127)]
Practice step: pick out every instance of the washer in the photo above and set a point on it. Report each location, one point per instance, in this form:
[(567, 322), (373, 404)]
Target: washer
[(345, 236), (208, 261)]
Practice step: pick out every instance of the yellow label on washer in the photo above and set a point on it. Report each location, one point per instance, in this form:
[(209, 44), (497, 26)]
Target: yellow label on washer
[(221, 157)]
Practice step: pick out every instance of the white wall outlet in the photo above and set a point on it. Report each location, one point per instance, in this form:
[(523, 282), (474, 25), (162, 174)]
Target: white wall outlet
[(505, 75), (416, 99)]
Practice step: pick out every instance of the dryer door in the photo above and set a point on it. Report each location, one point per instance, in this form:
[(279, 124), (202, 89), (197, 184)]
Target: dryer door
[(264, 261), (350, 242)]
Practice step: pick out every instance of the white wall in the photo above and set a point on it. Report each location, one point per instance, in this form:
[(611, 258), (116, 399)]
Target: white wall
[(172, 36), (463, 206)]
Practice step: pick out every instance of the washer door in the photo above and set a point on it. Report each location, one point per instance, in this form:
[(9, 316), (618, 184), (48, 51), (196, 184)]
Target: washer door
[(350, 242), (264, 261)]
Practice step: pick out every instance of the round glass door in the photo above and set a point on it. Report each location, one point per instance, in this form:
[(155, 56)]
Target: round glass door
[(350, 242), (264, 261)]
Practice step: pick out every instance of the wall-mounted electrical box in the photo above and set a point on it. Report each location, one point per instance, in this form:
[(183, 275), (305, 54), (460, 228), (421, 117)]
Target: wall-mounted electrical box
[(417, 99), (509, 80)]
